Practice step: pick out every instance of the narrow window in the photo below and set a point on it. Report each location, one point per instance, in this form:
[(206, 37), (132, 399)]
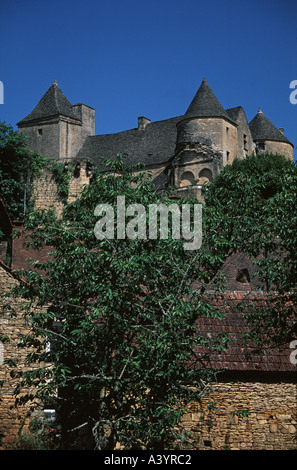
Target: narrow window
[(77, 170), (207, 443), (1, 353), (244, 142), (243, 276), (39, 131), (1, 93)]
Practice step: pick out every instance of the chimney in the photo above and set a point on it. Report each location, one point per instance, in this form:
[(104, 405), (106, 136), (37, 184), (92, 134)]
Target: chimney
[(143, 122)]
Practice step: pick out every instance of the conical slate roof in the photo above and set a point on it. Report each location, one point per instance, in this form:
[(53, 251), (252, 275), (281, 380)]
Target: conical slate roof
[(53, 103), (206, 104), (262, 129)]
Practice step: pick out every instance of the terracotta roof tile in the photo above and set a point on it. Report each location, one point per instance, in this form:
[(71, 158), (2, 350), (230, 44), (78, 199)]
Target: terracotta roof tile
[(239, 355)]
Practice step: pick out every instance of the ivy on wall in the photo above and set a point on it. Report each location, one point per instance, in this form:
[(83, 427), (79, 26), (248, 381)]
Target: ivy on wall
[(62, 175)]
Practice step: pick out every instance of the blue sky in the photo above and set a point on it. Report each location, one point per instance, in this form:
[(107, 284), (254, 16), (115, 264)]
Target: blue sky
[(129, 58)]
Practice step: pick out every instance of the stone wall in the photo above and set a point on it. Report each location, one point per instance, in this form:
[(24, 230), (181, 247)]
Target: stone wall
[(3, 250), (46, 192), (246, 415), (244, 138), (11, 326), (254, 413), (43, 136)]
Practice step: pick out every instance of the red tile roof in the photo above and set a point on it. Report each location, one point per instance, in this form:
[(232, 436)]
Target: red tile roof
[(240, 355)]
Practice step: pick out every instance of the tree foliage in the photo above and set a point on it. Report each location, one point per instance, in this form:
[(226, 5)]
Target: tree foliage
[(18, 167), (121, 316), (251, 207)]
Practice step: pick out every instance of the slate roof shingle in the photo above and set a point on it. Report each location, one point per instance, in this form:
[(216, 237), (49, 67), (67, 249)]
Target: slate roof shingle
[(206, 104), (262, 129), (153, 145), (53, 103)]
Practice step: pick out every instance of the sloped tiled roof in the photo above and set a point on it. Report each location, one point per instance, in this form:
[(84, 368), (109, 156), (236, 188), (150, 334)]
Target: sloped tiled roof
[(239, 355), (206, 104), (53, 103), (157, 142), (153, 145), (263, 129), (234, 113)]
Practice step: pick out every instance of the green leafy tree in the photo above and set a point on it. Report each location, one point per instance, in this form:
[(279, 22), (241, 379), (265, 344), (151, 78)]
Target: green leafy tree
[(18, 167), (251, 207), (121, 316)]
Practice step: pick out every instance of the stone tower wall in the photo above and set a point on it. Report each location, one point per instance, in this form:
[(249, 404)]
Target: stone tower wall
[(60, 137), (43, 137), (223, 135), (280, 148), (244, 138)]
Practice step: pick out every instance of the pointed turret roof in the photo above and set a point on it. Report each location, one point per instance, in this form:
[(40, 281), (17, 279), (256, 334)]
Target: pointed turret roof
[(53, 103), (206, 104), (262, 129)]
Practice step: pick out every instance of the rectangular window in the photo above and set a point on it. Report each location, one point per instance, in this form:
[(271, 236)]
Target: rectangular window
[(39, 131), (49, 414)]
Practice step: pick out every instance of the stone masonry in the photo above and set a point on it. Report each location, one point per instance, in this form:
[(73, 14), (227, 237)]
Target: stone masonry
[(253, 403), (12, 324), (247, 415)]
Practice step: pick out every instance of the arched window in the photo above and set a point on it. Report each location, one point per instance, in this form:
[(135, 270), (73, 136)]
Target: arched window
[(187, 179), (205, 176)]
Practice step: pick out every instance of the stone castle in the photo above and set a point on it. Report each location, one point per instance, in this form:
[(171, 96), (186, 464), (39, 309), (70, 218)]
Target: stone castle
[(184, 151), (256, 391)]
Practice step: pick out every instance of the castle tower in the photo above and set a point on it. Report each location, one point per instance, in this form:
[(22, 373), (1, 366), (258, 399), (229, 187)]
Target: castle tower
[(206, 140), (268, 138), (56, 128), (215, 123)]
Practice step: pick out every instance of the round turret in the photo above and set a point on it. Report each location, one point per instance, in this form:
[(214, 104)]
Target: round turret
[(268, 138)]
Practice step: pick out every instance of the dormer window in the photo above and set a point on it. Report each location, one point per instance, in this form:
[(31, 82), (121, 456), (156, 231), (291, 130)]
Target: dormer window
[(243, 276)]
